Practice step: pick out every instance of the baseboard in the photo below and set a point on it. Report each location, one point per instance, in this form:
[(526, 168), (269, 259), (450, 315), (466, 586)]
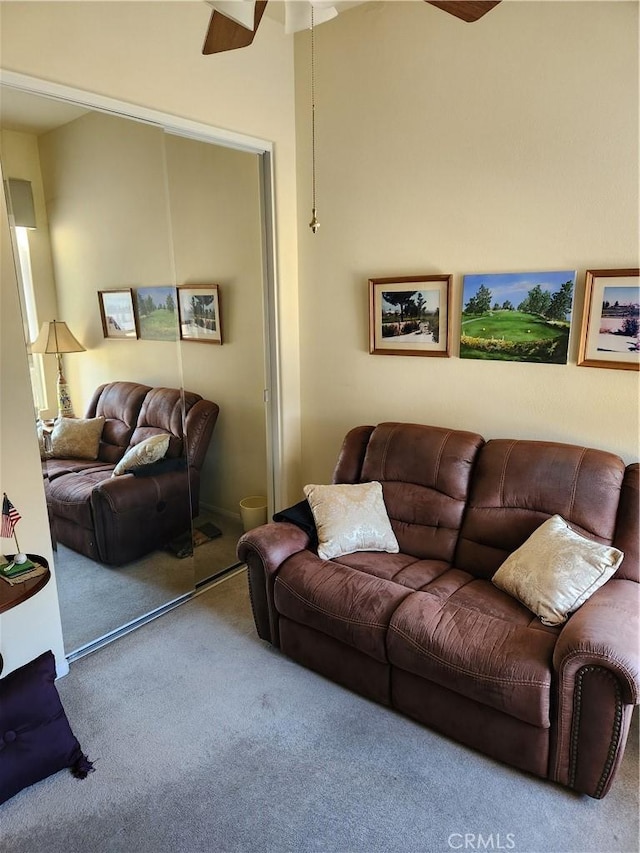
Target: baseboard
[(226, 513)]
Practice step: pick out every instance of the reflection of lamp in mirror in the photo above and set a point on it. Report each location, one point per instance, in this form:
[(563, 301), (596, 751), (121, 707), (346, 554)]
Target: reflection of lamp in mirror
[(21, 207), (56, 338)]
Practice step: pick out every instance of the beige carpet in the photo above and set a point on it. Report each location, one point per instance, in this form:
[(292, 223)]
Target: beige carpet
[(96, 599)]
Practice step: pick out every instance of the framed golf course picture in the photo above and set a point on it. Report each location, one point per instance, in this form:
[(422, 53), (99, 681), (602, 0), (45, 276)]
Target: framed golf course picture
[(157, 313), (517, 316)]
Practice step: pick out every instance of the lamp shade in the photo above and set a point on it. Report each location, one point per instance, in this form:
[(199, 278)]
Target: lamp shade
[(55, 337)]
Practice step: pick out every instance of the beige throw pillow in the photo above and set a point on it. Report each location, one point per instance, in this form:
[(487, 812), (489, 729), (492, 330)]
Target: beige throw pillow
[(350, 518), (556, 570), (76, 438), (145, 453)]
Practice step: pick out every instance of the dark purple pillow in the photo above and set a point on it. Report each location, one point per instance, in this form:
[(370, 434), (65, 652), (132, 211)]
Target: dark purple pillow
[(35, 736)]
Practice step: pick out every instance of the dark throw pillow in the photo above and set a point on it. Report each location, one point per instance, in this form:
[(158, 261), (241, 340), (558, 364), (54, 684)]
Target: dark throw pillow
[(163, 466), (301, 515), (35, 736)]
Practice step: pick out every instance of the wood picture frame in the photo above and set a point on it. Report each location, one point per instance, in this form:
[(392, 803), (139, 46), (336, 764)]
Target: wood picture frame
[(610, 333), (199, 314), (118, 314), (410, 315)]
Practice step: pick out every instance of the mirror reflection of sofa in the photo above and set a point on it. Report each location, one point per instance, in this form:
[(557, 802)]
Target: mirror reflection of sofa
[(108, 495)]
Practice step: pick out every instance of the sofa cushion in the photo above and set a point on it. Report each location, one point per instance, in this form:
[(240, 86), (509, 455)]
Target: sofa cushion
[(69, 496), (147, 452), (119, 403), (163, 411), (425, 473), (402, 569), (470, 637), (54, 468), (78, 438), (556, 570), (518, 484), (350, 517), (348, 605)]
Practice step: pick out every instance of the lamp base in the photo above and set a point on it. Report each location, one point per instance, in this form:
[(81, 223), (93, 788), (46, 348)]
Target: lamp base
[(65, 407)]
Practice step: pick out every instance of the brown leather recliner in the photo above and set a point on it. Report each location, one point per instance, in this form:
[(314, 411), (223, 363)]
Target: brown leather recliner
[(426, 632), (117, 519)]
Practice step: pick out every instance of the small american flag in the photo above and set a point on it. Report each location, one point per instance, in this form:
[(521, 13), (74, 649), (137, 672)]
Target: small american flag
[(10, 517)]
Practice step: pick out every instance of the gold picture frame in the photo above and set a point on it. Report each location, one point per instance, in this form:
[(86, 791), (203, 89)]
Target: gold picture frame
[(610, 334)]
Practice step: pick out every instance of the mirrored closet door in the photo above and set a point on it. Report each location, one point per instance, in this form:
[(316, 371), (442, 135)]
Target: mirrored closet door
[(125, 210)]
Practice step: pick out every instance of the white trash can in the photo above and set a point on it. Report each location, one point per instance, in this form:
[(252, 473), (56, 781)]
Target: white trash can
[(253, 511)]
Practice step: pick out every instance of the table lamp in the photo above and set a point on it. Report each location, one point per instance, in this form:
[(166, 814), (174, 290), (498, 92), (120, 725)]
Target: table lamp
[(55, 337)]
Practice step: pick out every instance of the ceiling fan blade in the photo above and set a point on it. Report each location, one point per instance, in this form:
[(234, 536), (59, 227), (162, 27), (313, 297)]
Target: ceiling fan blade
[(225, 34), (467, 10)]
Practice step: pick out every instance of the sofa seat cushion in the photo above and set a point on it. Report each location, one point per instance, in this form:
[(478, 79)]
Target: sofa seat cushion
[(54, 468), (466, 635), (401, 568), (69, 496), (350, 606)]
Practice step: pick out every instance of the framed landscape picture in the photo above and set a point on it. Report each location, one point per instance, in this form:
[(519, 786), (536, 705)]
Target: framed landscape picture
[(199, 313), (157, 313), (517, 316), (409, 315), (118, 316), (611, 320)]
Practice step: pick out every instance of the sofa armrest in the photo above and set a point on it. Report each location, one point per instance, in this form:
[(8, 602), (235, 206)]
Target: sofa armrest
[(604, 633), (596, 660), (128, 492), (264, 549), (273, 543), (135, 515)]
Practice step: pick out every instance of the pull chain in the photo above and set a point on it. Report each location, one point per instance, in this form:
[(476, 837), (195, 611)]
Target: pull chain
[(314, 224)]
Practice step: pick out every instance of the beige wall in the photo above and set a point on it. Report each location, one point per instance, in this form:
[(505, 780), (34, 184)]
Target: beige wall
[(106, 197), (510, 144), (216, 233)]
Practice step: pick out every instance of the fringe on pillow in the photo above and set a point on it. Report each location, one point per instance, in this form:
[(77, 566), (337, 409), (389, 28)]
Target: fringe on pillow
[(82, 767)]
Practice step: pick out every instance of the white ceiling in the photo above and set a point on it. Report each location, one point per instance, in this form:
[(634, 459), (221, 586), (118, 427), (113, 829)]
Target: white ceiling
[(34, 113), (21, 111)]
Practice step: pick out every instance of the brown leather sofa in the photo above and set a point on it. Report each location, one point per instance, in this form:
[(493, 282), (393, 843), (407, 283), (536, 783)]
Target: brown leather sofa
[(426, 632), (117, 519)]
